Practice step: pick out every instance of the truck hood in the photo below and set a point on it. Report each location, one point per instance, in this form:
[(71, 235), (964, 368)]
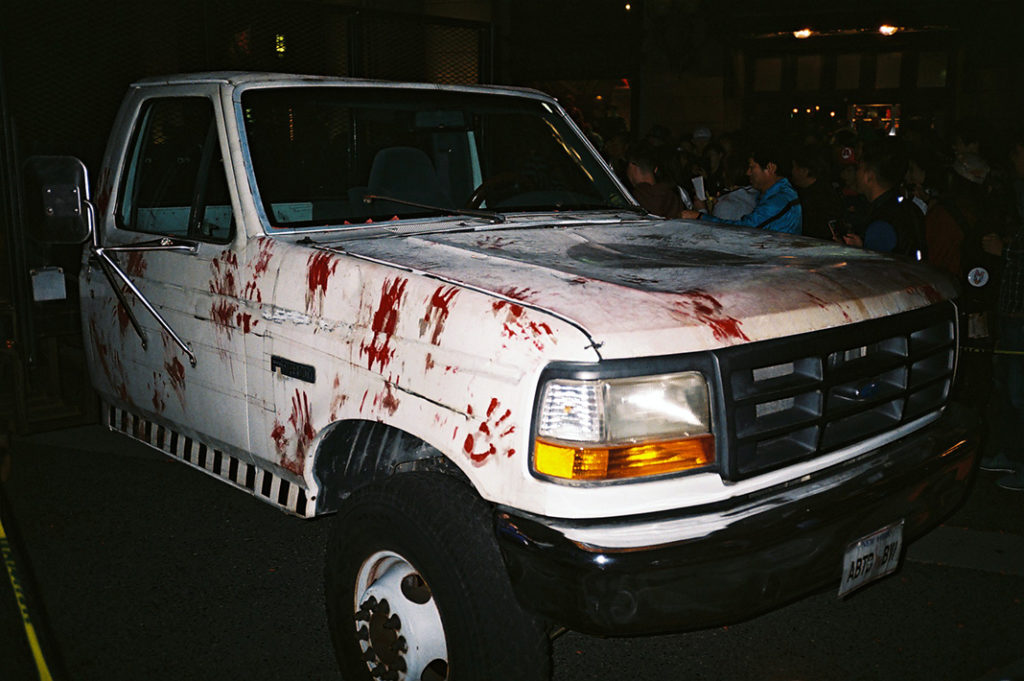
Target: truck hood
[(651, 287)]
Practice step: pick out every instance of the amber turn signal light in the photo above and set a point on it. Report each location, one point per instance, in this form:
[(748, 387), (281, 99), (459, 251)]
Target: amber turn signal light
[(618, 462)]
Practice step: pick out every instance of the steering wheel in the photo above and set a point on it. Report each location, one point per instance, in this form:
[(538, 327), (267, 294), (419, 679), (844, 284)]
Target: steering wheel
[(500, 187)]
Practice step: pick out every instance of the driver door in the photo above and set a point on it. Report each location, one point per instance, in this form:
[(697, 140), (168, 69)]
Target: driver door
[(171, 230)]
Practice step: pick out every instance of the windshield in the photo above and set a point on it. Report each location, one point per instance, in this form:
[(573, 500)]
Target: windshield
[(331, 156)]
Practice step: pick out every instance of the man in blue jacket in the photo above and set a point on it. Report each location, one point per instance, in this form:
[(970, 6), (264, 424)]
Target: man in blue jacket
[(778, 207)]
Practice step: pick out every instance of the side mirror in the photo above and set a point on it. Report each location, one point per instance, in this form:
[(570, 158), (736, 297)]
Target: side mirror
[(57, 209)]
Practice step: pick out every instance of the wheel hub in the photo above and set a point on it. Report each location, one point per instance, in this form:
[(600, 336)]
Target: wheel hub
[(398, 625), (385, 645)]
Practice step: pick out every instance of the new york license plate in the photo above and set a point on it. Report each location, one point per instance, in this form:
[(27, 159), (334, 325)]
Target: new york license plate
[(872, 557)]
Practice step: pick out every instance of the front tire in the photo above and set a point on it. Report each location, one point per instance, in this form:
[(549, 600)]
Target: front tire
[(417, 590)]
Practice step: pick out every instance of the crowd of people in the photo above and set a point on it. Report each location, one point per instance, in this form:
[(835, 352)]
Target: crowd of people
[(956, 203)]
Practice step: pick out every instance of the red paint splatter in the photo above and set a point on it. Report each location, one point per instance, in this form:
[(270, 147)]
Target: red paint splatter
[(540, 328), (385, 319), (245, 322), (429, 362), (501, 419), (264, 253), (123, 319), (707, 310), (101, 351), (383, 324), (224, 267), (136, 265), (223, 312), (437, 312), (258, 266), (478, 457), (817, 301), (251, 291), (931, 293), (523, 294), (158, 401), (388, 400), (824, 304), (492, 406), (280, 441), (481, 444), (338, 401), (301, 424), (110, 363), (514, 311), (320, 266), (176, 374), (515, 326), (103, 195)]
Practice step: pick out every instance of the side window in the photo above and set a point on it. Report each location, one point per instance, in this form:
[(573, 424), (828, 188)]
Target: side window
[(175, 183)]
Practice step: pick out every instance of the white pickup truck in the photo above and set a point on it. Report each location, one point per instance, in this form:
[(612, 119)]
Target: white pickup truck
[(434, 312)]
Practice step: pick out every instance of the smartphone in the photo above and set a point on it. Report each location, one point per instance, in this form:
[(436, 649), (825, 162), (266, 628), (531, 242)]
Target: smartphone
[(833, 226)]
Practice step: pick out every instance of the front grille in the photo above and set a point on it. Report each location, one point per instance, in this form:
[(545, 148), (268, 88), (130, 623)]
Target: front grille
[(794, 398)]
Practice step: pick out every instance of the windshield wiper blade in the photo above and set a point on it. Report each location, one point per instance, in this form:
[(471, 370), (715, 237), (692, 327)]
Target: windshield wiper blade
[(472, 212)]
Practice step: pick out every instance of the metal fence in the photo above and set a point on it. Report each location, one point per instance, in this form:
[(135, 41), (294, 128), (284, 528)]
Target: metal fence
[(68, 63), (64, 68)]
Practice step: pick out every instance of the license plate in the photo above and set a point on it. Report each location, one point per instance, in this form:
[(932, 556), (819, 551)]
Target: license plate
[(872, 557)]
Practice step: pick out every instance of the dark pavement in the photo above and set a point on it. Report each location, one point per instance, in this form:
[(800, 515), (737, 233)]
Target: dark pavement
[(143, 568)]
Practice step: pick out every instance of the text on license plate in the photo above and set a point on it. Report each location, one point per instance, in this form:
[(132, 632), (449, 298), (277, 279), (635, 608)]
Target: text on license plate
[(871, 557)]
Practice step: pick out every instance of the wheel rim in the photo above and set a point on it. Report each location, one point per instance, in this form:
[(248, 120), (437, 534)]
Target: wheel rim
[(398, 625)]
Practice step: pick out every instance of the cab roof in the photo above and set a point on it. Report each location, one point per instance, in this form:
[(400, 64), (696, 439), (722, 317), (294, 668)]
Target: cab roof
[(249, 78)]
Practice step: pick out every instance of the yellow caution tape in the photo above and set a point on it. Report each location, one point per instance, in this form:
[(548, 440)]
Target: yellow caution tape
[(969, 348), (19, 595)]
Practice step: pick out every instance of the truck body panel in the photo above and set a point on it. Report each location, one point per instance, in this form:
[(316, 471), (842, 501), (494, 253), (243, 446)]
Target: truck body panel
[(453, 273)]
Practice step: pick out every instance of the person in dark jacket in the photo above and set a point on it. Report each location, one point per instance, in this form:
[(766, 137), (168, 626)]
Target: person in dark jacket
[(1004, 447), (819, 201), (956, 224), (891, 226), (655, 196)]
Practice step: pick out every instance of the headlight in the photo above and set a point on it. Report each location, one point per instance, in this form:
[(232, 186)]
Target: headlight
[(623, 428)]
